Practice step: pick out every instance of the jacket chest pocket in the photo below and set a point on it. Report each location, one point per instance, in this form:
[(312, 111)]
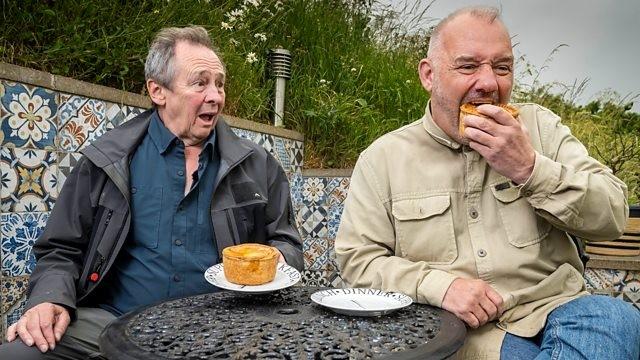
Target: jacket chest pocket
[(520, 222), (424, 229), (146, 212)]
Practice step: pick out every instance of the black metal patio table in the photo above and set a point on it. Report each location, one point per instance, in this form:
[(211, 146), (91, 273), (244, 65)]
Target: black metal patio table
[(281, 325)]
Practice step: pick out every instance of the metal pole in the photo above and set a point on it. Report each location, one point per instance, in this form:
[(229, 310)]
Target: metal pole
[(280, 60)]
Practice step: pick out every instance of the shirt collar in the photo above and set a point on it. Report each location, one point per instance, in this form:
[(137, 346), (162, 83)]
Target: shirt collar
[(436, 132), (163, 138)]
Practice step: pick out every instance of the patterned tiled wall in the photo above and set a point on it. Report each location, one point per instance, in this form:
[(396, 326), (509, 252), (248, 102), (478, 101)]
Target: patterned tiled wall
[(622, 284), (41, 134), (319, 203)]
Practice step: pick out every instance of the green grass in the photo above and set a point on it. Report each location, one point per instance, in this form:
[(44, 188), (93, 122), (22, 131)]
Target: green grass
[(353, 76)]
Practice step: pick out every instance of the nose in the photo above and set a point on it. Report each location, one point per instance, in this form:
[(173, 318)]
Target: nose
[(487, 80), (214, 95)]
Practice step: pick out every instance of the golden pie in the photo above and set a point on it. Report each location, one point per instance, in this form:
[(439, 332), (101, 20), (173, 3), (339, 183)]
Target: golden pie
[(250, 264), (471, 109)]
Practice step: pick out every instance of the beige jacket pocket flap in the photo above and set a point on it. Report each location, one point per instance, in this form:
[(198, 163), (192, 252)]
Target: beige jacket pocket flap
[(507, 195), (415, 209)]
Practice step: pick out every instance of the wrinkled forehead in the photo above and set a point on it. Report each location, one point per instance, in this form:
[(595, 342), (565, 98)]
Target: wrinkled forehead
[(198, 58)]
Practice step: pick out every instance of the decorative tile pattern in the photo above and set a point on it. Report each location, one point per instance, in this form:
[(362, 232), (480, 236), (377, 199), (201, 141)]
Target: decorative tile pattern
[(66, 163), (14, 313), (19, 233), (315, 278), (281, 154), (337, 189), (315, 253), (630, 283), (331, 265), (12, 289), (119, 114), (333, 219), (598, 279), (28, 116), (245, 134), (82, 120), (313, 221), (29, 179), (295, 184), (313, 191), (296, 154)]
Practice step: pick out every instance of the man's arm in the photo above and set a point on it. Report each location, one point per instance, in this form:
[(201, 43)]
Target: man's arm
[(566, 186), (281, 229)]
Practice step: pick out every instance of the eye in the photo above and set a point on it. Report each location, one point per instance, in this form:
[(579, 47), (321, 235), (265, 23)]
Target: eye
[(220, 83), (467, 68), (502, 70)]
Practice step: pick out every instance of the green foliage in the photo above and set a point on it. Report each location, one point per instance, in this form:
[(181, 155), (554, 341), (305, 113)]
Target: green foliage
[(353, 77)]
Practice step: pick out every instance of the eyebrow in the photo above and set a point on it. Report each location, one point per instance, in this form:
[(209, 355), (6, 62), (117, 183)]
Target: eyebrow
[(468, 58)]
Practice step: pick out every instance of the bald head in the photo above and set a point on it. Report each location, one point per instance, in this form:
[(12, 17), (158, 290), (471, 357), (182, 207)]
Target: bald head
[(485, 13)]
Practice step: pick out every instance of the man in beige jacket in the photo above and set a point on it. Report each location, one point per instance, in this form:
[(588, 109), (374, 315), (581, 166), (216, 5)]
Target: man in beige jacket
[(476, 223)]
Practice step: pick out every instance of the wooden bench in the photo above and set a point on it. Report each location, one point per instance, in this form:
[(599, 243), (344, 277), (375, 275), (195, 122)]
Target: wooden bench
[(627, 245)]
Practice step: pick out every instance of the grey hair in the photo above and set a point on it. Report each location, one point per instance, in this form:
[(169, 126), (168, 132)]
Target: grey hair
[(488, 13), (159, 65)]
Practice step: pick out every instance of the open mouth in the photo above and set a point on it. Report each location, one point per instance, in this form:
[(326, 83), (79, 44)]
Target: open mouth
[(207, 117), (481, 101)]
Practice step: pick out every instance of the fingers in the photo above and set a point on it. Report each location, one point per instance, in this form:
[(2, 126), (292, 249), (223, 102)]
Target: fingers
[(489, 308), (470, 319), (47, 320), (477, 122), (33, 327), (62, 322), (496, 299), (500, 115), (12, 332)]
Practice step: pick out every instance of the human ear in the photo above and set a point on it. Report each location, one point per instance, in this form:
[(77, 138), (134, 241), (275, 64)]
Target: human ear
[(157, 92), (425, 71)]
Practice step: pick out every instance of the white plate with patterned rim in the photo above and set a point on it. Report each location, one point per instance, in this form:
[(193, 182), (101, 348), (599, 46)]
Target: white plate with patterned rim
[(285, 276), (361, 302)]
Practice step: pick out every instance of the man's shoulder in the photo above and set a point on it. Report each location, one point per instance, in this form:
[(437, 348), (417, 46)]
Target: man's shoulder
[(402, 136)]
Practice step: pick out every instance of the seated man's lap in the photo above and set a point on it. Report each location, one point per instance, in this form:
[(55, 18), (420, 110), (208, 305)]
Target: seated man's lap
[(591, 327), (79, 341)]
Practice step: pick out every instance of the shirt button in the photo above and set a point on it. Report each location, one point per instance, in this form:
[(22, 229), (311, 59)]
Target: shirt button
[(133, 190), (482, 253), (528, 193), (180, 208), (473, 213), (180, 172), (176, 278), (178, 242)]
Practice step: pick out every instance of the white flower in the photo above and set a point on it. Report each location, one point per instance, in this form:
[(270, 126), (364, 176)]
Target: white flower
[(353, 70), (255, 3), (278, 5), (226, 26), (234, 42), (323, 81), (251, 58), (237, 13), (408, 81), (260, 36)]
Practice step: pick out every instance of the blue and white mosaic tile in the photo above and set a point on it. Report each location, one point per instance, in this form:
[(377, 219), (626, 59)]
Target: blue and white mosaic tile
[(29, 179), (19, 233), (337, 190), (296, 155), (315, 278), (313, 221), (598, 279), (313, 191), (333, 219), (117, 114), (66, 163), (281, 154), (28, 116), (245, 134), (295, 184), (314, 253), (82, 120), (14, 314)]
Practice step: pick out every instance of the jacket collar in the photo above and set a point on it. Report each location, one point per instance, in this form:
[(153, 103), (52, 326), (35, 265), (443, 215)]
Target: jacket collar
[(122, 141), (436, 132)]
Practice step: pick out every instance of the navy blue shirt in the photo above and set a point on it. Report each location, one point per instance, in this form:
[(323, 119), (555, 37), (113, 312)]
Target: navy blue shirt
[(171, 241)]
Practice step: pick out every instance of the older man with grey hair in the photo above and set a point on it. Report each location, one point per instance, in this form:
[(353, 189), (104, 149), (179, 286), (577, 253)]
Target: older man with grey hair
[(475, 219), (150, 206)]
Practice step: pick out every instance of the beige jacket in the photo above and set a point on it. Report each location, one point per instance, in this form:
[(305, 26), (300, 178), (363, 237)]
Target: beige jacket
[(423, 210)]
